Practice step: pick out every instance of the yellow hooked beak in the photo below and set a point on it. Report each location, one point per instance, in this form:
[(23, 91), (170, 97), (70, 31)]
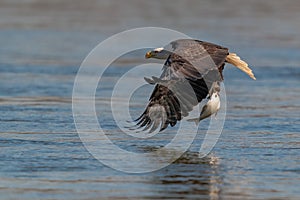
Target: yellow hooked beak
[(148, 54)]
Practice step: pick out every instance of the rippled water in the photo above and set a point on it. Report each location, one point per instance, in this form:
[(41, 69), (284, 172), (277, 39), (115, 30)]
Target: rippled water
[(257, 155), (42, 157)]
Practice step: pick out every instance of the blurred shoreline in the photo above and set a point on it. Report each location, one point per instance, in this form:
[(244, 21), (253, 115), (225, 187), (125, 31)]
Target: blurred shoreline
[(43, 43), (53, 32)]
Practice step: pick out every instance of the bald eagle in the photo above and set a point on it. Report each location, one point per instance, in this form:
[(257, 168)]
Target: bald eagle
[(190, 73)]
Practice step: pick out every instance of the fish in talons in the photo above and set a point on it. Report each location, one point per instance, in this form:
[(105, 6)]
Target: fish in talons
[(210, 108)]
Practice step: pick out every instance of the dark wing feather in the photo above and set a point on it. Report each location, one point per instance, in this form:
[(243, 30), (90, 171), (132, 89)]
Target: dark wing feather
[(202, 56), (188, 74)]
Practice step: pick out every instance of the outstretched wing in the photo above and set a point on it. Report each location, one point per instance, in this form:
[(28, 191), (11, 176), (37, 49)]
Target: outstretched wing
[(188, 74)]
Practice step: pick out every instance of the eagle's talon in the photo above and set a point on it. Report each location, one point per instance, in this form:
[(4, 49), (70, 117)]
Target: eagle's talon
[(150, 81)]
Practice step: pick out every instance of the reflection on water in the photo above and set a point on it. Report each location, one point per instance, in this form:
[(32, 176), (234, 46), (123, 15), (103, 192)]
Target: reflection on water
[(256, 157), (197, 178), (42, 157)]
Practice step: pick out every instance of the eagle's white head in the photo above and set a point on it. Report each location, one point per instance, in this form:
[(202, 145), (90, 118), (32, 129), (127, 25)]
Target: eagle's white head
[(158, 53)]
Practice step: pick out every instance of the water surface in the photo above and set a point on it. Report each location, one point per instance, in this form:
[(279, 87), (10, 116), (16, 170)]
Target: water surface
[(42, 157)]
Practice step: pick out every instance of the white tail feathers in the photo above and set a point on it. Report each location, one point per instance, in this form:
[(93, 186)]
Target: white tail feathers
[(233, 59)]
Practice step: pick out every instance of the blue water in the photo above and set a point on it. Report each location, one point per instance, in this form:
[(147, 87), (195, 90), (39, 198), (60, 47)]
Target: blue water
[(42, 157)]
